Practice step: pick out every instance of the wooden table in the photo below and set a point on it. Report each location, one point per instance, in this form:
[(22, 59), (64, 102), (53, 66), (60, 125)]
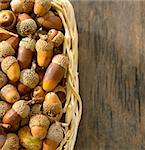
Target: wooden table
[(112, 74)]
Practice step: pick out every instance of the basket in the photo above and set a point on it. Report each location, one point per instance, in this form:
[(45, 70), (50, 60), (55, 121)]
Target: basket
[(73, 105)]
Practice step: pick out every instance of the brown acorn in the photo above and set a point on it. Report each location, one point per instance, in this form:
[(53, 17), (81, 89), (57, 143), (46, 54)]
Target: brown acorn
[(44, 52), (50, 21), (4, 4), (54, 137), (11, 67), (41, 7), (14, 42), (7, 19), (19, 110), (2, 137), (55, 72), (4, 107), (23, 16), (25, 52), (29, 77), (11, 143), (23, 89), (52, 106), (3, 79), (20, 6), (56, 37), (9, 93), (39, 125)]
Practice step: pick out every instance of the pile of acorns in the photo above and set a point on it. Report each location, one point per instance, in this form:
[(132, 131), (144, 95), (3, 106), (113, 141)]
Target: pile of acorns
[(32, 75)]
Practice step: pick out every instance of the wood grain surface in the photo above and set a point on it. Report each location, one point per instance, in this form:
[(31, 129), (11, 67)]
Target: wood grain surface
[(112, 74)]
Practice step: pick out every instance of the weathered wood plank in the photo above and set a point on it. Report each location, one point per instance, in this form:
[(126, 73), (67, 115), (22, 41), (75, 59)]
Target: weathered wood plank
[(112, 74)]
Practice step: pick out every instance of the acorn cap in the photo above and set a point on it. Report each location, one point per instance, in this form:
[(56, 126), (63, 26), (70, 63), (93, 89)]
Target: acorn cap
[(26, 27), (3, 79), (27, 43), (61, 60), (39, 120), (29, 78), (42, 45), (6, 49), (21, 108), (12, 142), (7, 62), (55, 133), (4, 107), (44, 3)]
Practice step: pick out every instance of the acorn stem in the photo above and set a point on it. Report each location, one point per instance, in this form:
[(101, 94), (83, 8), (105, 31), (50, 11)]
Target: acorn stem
[(5, 125)]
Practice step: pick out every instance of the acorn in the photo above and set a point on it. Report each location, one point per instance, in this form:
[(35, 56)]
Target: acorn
[(54, 137), (23, 89), (3, 79), (26, 26), (25, 52), (7, 19), (11, 143), (19, 110), (50, 21), (39, 125), (6, 49), (29, 77), (20, 6), (14, 42), (61, 93), (55, 72), (4, 107), (52, 106), (27, 140), (41, 7), (4, 4), (56, 37), (9, 93), (11, 67), (44, 52)]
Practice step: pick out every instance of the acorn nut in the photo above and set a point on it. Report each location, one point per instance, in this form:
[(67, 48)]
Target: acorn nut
[(54, 137), (25, 52), (56, 37), (44, 52), (41, 7), (4, 107), (9, 93), (52, 106), (23, 89), (11, 67), (19, 110), (20, 6), (27, 140), (29, 77), (50, 21), (11, 143), (7, 19), (55, 72), (3, 79), (4, 4), (39, 125)]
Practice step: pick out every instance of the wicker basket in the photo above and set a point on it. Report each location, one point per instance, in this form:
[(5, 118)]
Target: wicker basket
[(73, 105)]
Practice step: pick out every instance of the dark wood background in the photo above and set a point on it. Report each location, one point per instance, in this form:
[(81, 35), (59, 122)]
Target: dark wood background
[(112, 74)]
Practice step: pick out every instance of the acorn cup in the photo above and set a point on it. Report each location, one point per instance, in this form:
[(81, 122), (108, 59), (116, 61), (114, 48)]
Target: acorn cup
[(56, 37), (26, 25), (28, 141), (9, 93), (19, 110), (52, 106), (4, 4), (11, 67), (50, 21), (55, 72), (41, 7), (11, 142), (3, 79), (2, 137), (7, 19), (39, 125), (44, 52), (20, 6), (54, 137), (4, 107), (25, 52), (29, 77)]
